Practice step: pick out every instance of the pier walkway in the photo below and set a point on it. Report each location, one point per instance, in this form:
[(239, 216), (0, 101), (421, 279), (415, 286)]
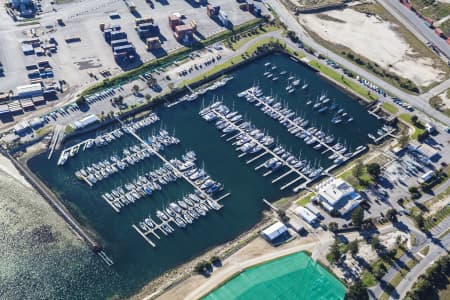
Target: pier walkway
[(300, 175), (282, 118), (201, 192), (389, 132)]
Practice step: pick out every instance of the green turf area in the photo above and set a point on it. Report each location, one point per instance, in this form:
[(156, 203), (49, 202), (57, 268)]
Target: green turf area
[(358, 184), (305, 200), (238, 41), (445, 27), (419, 128), (235, 60), (390, 108), (295, 276), (355, 87), (433, 9)]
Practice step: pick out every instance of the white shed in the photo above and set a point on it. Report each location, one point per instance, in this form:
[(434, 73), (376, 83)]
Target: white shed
[(274, 231)]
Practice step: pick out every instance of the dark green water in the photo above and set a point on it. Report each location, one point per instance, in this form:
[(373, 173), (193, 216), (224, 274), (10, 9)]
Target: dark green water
[(135, 261)]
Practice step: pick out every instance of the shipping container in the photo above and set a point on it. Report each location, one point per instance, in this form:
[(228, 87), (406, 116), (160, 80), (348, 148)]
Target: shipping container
[(120, 42), (153, 43), (143, 20), (118, 35)]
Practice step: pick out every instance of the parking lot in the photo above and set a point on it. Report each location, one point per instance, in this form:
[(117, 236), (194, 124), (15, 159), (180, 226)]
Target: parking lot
[(77, 61)]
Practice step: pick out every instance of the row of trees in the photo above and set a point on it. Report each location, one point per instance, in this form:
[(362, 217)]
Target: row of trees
[(435, 279), (336, 250), (204, 267)]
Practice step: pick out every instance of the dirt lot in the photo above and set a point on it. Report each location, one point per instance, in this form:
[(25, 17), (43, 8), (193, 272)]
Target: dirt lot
[(257, 249), (377, 40)]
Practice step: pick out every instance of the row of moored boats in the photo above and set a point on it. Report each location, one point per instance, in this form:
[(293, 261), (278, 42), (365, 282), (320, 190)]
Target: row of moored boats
[(99, 171), (254, 140), (298, 125)]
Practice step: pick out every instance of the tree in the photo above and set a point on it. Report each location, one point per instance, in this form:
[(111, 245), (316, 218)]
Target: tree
[(375, 243), (357, 291), (333, 226), (334, 252), (135, 89), (147, 97), (403, 140), (379, 270), (414, 119), (81, 101), (118, 100), (391, 215), (151, 81), (353, 247), (358, 216), (283, 217), (358, 169), (415, 193), (420, 222), (374, 170)]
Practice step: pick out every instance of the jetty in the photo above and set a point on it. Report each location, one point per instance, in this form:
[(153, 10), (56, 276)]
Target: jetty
[(294, 127), (266, 151)]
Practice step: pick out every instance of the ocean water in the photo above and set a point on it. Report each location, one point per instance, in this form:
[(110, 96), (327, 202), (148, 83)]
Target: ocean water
[(136, 262), (40, 256)]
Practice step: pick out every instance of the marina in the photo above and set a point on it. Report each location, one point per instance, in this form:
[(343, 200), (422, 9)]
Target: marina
[(105, 138), (131, 155), (126, 242), (297, 125)]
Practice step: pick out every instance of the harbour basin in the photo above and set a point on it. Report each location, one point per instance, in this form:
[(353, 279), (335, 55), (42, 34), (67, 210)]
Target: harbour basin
[(135, 261)]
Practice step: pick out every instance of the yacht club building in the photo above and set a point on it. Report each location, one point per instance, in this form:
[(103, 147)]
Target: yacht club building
[(336, 194)]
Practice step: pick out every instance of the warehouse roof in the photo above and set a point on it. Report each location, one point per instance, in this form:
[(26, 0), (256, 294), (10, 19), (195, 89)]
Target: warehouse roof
[(274, 231)]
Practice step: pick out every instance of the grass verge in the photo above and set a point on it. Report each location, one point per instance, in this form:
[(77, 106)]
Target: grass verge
[(418, 127), (389, 107), (304, 200), (424, 251), (341, 79)]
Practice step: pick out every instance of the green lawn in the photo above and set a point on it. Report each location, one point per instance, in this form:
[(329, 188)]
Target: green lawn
[(407, 118), (355, 87), (305, 200), (438, 217), (244, 37), (235, 60), (425, 250), (359, 185), (389, 107)]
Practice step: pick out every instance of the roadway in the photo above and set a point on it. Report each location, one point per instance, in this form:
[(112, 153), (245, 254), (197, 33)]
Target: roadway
[(418, 102), (437, 248), (415, 24), (436, 251)]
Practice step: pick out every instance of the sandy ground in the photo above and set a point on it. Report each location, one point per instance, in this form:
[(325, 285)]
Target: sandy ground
[(7, 167), (375, 40), (445, 99), (255, 252)]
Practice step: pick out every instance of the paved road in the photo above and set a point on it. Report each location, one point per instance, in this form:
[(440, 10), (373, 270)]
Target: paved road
[(415, 24), (435, 252), (442, 87), (418, 102), (437, 248)]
